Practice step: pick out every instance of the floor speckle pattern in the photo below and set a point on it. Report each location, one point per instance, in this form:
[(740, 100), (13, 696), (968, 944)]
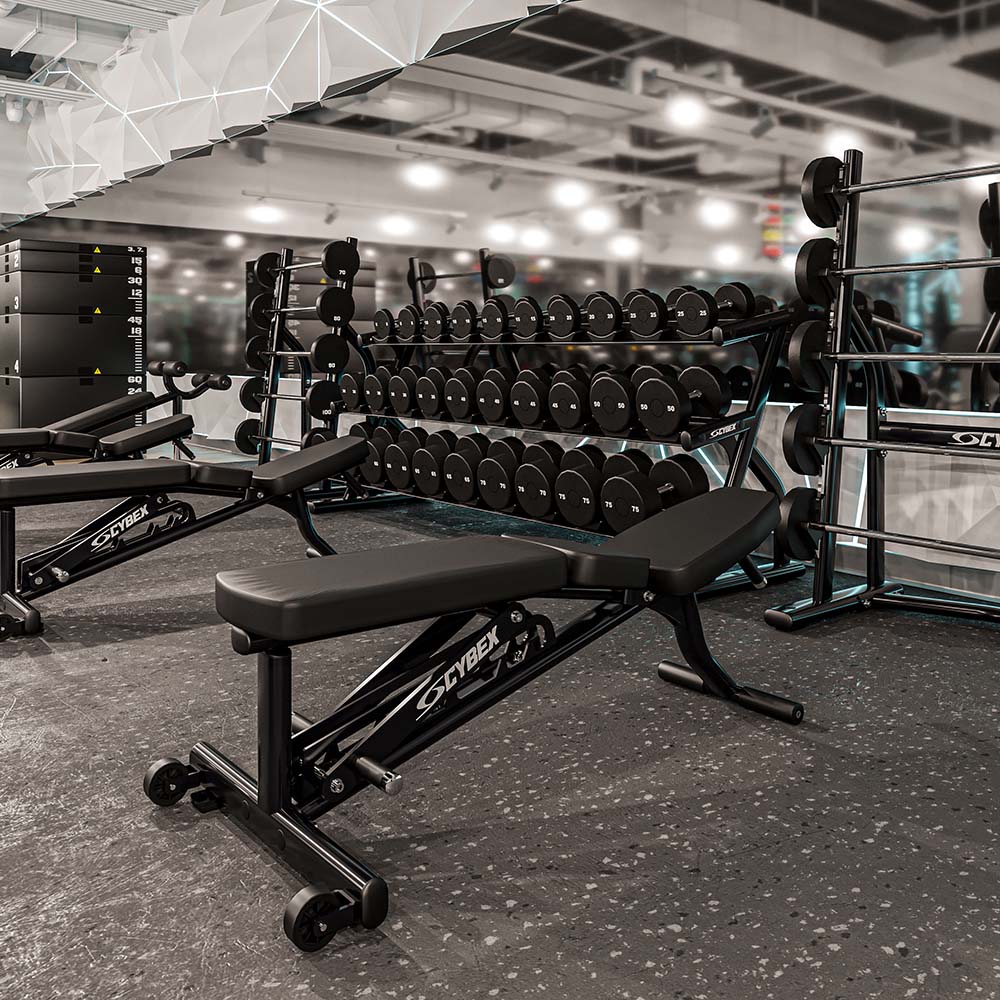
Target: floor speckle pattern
[(598, 835)]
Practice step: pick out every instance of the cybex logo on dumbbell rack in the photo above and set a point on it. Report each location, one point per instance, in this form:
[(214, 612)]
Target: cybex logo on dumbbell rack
[(720, 431), (975, 439)]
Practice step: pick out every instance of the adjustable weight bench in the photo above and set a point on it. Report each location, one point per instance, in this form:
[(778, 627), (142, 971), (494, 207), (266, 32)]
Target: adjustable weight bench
[(149, 517), (445, 676)]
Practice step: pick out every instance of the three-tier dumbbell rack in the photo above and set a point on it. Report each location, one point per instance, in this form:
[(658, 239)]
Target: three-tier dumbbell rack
[(826, 271), (735, 433)]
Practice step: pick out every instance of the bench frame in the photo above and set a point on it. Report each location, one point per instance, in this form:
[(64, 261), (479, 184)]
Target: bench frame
[(428, 688), (112, 538)]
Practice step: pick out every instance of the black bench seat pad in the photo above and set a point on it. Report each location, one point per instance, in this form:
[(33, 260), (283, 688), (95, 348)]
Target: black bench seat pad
[(337, 595), (300, 469), (689, 545), (59, 483), (24, 437), (148, 435)]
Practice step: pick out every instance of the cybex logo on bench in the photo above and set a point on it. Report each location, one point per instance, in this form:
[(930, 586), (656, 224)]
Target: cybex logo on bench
[(10, 464), (458, 671), (120, 526), (974, 439)]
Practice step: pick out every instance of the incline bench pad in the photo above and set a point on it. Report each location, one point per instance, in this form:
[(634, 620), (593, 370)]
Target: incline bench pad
[(691, 544), (311, 465), (106, 413), (55, 483), (26, 437), (147, 435), (317, 598)]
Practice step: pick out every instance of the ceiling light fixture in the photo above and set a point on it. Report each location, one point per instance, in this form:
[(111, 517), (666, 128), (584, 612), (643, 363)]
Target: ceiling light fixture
[(597, 219), (717, 213), (571, 194), (913, 239), (501, 232), (727, 255), (625, 245), (234, 241), (397, 225), (425, 175), (535, 237), (765, 122), (837, 140), (686, 111)]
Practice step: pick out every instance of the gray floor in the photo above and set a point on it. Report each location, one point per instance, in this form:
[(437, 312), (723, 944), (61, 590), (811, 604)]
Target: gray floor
[(598, 835)]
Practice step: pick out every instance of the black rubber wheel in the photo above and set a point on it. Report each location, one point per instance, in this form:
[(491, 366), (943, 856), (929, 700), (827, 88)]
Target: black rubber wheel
[(166, 782), (313, 917)]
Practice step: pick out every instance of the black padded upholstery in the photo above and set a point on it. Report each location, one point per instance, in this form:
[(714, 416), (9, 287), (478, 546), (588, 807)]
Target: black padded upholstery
[(106, 413), (317, 598), (73, 442), (140, 438), (691, 544), (593, 566), (56, 483), (25, 437), (220, 476), (311, 465)]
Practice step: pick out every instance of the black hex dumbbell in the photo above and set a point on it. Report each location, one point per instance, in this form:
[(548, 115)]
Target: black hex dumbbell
[(493, 395), (398, 457), (373, 470), (460, 394), (403, 390), (631, 495), (529, 395), (430, 391), (665, 405), (428, 462), (495, 475), (376, 388), (612, 395), (461, 466), (535, 479), (437, 323), (465, 322), (409, 324), (564, 318), (578, 486)]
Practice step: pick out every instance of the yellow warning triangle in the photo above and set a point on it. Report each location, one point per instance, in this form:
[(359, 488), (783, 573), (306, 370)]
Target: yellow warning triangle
[(97, 311), (97, 270), (97, 371), (97, 249)]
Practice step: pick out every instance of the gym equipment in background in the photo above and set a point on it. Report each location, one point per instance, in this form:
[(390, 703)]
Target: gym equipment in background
[(814, 439), (443, 678)]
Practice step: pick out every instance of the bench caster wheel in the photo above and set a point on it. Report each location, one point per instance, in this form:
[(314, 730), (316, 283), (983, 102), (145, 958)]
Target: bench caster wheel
[(313, 916), (166, 782)]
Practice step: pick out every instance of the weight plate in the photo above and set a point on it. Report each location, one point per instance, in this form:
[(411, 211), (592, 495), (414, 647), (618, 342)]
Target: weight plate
[(567, 404), (427, 282), (321, 435), (250, 394), (459, 471), (741, 379), (322, 399), (991, 289), (604, 316), (460, 396), (265, 269), (913, 389), (495, 479), (350, 391), (330, 353), (670, 299), (822, 206), (340, 260), (797, 510), (564, 317), (662, 406), (428, 472), (815, 258), (709, 389), (360, 429), (335, 306), (584, 456), (528, 402), (611, 402), (805, 356), (260, 310), (252, 353), (629, 460), (989, 226), (798, 440), (492, 396), (742, 304), (247, 435), (500, 271), (685, 476), (408, 323)]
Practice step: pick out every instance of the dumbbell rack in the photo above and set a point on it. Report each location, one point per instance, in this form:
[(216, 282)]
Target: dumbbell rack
[(282, 344), (825, 275), (735, 433)]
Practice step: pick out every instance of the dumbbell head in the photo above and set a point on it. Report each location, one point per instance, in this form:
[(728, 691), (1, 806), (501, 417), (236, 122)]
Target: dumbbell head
[(430, 391), (428, 462), (529, 395), (630, 460), (605, 316), (409, 323), (741, 379), (437, 322), (629, 497), (376, 388), (527, 319), (535, 479), (352, 391), (584, 456), (460, 394), (612, 401), (385, 325), (709, 390), (461, 465), (695, 313), (493, 395), (494, 319), (464, 321), (568, 399), (495, 474), (402, 391), (398, 457), (578, 495), (663, 406), (736, 301), (373, 470), (564, 317), (647, 314)]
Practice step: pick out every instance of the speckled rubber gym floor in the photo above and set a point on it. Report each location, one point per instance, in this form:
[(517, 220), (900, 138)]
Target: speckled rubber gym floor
[(598, 835)]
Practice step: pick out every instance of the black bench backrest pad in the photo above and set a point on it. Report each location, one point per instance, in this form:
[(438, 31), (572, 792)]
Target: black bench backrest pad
[(593, 566), (25, 437), (149, 435), (311, 465), (58, 483), (337, 595), (107, 413), (689, 545)]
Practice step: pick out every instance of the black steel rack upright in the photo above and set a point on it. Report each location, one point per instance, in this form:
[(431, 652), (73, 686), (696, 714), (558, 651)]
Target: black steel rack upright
[(832, 192)]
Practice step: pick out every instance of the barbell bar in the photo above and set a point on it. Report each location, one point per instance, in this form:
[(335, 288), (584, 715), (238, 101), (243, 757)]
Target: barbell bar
[(329, 353), (334, 306)]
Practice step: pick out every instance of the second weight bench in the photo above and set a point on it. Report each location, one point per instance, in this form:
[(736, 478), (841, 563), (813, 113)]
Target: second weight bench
[(447, 675)]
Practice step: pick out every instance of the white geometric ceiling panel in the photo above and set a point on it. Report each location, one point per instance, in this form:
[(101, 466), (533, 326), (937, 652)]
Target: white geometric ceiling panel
[(228, 69)]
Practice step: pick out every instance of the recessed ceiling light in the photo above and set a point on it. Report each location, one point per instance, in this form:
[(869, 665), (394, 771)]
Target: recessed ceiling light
[(913, 239), (717, 213), (686, 111), (596, 219), (728, 255), (264, 213), (426, 175), (625, 245), (571, 194), (397, 225), (535, 237), (837, 140), (501, 232), (234, 241)]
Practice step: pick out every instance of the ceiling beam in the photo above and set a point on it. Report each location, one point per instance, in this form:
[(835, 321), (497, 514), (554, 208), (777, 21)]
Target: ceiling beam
[(807, 45), (105, 10), (38, 92), (936, 49)]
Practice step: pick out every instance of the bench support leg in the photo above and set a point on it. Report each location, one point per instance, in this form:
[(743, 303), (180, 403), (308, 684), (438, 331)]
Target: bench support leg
[(704, 673), (17, 616)]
